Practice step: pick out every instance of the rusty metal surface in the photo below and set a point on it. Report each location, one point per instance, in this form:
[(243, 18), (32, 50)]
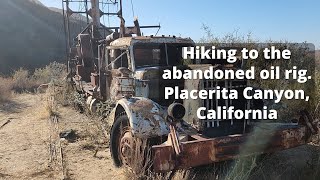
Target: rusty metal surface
[(84, 72), (125, 41), (146, 117), (94, 79), (121, 87), (128, 41), (203, 151)]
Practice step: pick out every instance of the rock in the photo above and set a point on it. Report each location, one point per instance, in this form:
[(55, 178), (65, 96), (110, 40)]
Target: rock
[(69, 135)]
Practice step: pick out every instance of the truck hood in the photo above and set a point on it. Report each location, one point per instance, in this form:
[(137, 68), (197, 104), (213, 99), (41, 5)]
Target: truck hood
[(147, 73)]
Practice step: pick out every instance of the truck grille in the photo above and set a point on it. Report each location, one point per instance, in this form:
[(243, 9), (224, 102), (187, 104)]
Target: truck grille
[(212, 104)]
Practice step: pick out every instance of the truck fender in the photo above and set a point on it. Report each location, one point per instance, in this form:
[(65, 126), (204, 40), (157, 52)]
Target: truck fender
[(146, 117)]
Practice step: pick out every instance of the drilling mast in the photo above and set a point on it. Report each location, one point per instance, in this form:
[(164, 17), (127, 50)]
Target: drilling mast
[(90, 10), (95, 13)]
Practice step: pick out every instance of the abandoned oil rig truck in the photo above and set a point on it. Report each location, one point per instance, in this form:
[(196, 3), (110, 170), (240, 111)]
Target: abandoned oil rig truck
[(120, 68)]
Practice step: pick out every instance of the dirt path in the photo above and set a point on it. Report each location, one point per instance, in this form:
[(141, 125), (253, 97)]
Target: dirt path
[(24, 144), (89, 156), (23, 140)]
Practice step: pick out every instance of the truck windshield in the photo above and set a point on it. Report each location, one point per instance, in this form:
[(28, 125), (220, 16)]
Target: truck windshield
[(157, 55)]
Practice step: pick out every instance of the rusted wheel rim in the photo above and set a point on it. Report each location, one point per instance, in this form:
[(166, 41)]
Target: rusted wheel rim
[(126, 148)]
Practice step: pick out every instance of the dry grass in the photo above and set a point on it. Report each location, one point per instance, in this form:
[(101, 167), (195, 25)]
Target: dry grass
[(140, 161), (24, 81), (6, 86), (52, 72)]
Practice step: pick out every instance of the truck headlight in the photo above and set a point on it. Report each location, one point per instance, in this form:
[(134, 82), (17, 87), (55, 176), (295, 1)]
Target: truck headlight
[(176, 111)]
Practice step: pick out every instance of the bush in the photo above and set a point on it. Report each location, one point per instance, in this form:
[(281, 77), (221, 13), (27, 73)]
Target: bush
[(6, 86), (53, 71), (24, 81)]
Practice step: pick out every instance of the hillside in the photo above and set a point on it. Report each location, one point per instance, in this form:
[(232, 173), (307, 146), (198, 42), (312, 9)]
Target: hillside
[(32, 36)]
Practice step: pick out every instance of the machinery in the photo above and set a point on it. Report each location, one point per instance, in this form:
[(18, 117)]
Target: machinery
[(121, 66)]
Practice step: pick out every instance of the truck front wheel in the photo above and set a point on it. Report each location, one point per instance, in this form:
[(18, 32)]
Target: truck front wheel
[(121, 141), (127, 150)]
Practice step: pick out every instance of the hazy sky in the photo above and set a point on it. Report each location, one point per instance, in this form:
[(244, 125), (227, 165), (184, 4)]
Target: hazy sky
[(293, 20)]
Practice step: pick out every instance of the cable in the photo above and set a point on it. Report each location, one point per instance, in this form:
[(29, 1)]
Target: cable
[(108, 15), (132, 8), (157, 31)]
